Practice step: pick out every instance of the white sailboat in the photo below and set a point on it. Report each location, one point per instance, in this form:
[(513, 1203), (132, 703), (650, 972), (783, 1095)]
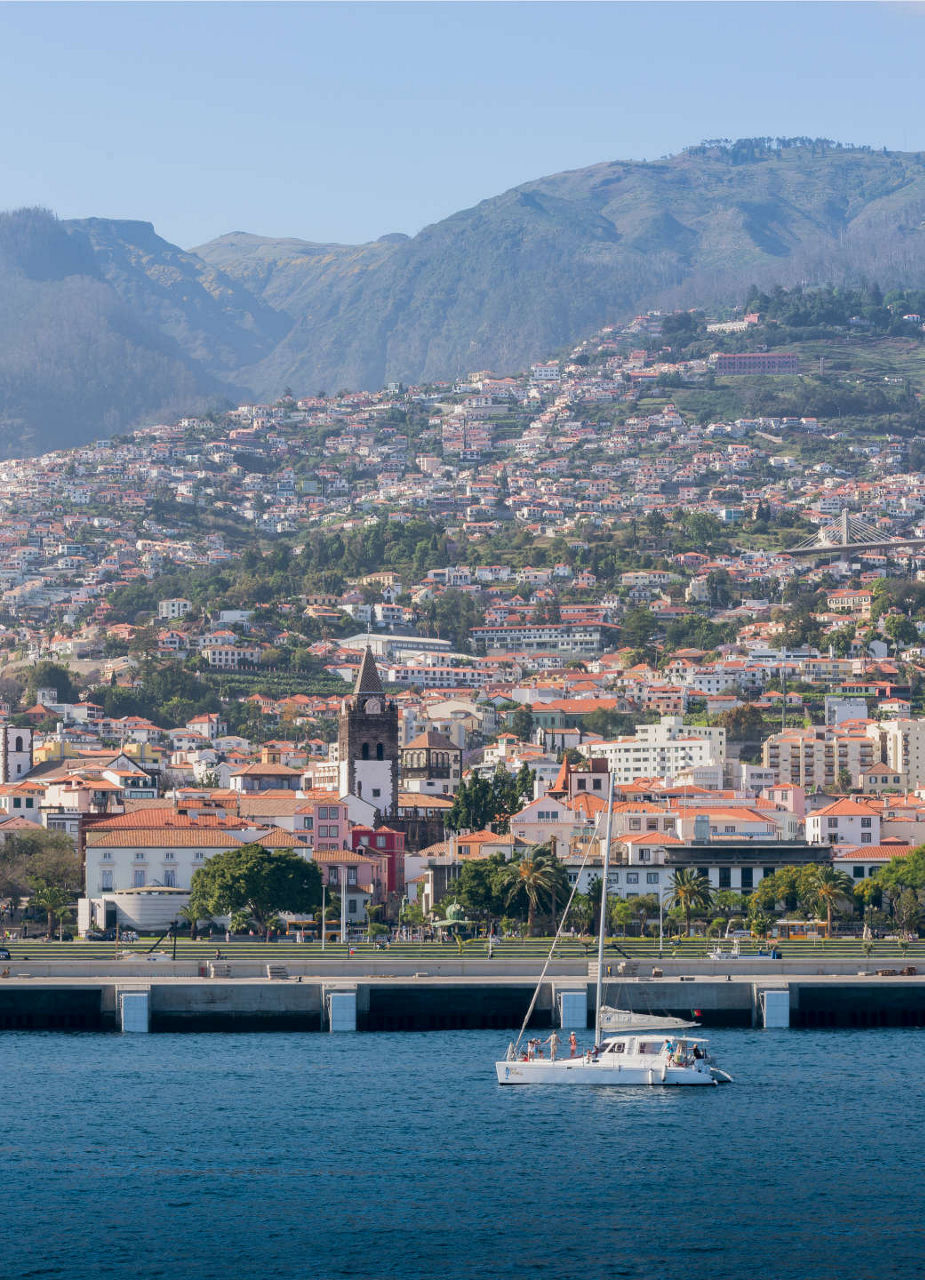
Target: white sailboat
[(640, 1053)]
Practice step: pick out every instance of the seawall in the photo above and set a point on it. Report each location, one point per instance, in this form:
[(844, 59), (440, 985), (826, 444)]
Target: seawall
[(404, 995)]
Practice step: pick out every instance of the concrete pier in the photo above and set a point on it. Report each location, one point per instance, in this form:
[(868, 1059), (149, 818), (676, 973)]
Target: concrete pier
[(447, 995)]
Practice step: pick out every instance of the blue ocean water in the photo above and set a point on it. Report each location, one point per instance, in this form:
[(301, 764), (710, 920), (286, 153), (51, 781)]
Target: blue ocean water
[(368, 1156)]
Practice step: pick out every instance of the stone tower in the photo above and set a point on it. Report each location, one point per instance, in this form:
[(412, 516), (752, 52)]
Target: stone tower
[(367, 742), (15, 753)]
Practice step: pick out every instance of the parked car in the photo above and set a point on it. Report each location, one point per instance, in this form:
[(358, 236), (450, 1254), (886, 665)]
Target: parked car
[(5, 953)]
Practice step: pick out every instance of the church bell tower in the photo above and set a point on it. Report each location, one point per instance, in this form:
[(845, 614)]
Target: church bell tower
[(367, 742)]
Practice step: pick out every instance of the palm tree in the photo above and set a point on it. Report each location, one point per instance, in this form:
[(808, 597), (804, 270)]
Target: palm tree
[(691, 892), (192, 918), (830, 887), (53, 900), (537, 875)]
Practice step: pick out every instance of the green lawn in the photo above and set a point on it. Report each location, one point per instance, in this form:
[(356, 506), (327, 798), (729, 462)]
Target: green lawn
[(285, 949)]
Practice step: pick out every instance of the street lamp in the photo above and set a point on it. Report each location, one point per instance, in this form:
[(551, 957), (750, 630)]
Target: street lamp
[(661, 929), (324, 890)]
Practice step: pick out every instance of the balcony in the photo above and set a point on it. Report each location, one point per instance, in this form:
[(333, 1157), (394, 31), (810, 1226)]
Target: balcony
[(421, 772)]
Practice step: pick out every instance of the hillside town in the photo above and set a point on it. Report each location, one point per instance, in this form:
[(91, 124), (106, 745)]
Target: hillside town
[(333, 623)]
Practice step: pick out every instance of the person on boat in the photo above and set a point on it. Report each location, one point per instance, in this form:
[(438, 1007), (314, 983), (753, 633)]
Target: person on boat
[(573, 1045), (553, 1042)]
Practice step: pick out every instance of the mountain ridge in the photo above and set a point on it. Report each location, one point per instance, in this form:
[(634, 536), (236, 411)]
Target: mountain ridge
[(107, 324)]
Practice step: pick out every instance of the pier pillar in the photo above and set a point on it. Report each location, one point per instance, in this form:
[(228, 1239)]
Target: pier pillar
[(775, 1008), (134, 1011), (572, 1007), (341, 1009)]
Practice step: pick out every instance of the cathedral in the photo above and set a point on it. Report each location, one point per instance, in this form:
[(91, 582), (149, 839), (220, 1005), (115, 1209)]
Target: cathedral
[(367, 743)]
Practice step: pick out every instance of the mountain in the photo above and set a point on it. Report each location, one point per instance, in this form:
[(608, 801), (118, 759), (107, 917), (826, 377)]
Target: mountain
[(525, 273), (104, 324)]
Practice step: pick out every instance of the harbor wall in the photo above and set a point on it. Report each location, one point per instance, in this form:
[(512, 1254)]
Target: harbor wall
[(456, 1001)]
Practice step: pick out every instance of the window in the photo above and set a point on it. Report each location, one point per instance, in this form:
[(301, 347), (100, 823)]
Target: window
[(17, 803), (748, 878), (865, 837), (582, 784), (865, 822), (30, 803), (138, 879), (352, 906), (199, 856), (634, 824), (725, 878), (170, 856), (651, 877), (645, 855), (105, 880), (351, 875), (377, 791), (857, 873), (364, 753), (596, 784), (831, 822), (139, 856), (170, 879), (380, 842), (632, 877), (380, 753)]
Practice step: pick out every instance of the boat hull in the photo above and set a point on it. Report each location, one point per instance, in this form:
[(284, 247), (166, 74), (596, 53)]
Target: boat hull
[(579, 1072)]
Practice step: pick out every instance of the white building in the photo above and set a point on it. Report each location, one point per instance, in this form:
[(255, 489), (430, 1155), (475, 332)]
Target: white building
[(663, 750), (176, 608), (844, 822), (903, 749)]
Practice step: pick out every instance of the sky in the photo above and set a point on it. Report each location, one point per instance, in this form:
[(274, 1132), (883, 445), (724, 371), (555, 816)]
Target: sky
[(343, 122)]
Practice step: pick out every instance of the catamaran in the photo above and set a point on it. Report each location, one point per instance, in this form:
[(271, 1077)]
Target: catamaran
[(643, 1050)]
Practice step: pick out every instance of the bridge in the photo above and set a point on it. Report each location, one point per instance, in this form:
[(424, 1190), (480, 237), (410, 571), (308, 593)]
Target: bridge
[(851, 533)]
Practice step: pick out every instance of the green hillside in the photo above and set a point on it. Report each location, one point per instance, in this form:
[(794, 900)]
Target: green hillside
[(105, 324)]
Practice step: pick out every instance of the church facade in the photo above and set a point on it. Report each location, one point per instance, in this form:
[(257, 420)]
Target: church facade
[(367, 743)]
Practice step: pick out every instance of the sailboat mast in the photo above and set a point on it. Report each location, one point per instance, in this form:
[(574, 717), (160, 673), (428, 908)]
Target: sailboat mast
[(602, 930)]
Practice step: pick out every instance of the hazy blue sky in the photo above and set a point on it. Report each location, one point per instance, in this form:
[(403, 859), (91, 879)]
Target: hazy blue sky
[(346, 121)]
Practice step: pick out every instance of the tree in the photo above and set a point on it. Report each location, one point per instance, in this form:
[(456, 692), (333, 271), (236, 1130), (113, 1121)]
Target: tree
[(192, 918), (901, 630), (742, 724), (903, 873), (831, 887), (48, 856), (535, 877), (619, 913), (480, 803), (522, 723), (907, 910), (639, 626), (50, 675), (51, 899), (480, 885), (690, 891), (257, 881)]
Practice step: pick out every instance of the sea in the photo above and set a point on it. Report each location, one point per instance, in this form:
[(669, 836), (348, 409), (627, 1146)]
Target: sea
[(219, 1157)]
